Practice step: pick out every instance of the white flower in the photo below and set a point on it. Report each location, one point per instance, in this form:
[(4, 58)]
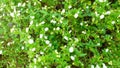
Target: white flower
[(63, 11), (92, 66), (104, 66), (97, 66), (12, 14), (35, 60), (58, 28), (81, 23), (12, 30), (108, 12), (101, 16), (65, 37), (71, 49), (41, 53), (96, 13), (46, 29), (0, 52), (19, 4), (72, 57), (50, 44), (98, 44), (67, 67), (32, 17), (27, 29), (69, 6), (41, 36), (30, 41), (31, 22), (45, 37), (106, 50), (47, 42), (53, 21), (22, 47), (43, 22), (23, 5), (84, 32), (76, 15), (37, 55), (33, 49), (102, 0), (113, 22)]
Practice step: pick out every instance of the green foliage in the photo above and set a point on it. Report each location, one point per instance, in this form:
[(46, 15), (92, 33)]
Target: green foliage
[(59, 33)]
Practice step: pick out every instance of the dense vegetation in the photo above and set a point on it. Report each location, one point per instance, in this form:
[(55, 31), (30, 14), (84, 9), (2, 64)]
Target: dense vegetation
[(59, 33)]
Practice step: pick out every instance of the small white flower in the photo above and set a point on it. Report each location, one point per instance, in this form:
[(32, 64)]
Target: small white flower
[(98, 44), (30, 41), (37, 55), (32, 17), (46, 29), (45, 37), (47, 42), (58, 28), (104, 66), (69, 6), (33, 49), (41, 36), (72, 57), (67, 67), (81, 24), (22, 47), (50, 44), (66, 38), (27, 29), (53, 21), (31, 22), (108, 12), (92, 66), (101, 16), (12, 14), (71, 49), (102, 0), (35, 60), (107, 50), (113, 22), (70, 31), (63, 11), (0, 52), (41, 53), (43, 22), (19, 4), (84, 32), (97, 66), (12, 30), (96, 13), (23, 5), (76, 15)]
